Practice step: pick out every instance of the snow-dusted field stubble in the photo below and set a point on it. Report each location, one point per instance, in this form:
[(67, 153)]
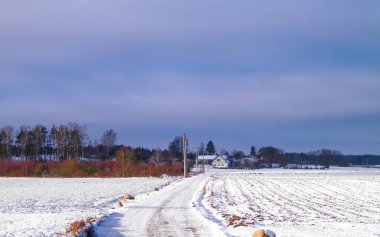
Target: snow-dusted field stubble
[(336, 202), (46, 206)]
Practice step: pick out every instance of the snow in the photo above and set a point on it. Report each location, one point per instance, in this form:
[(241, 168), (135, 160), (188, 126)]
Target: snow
[(168, 212), (335, 202), (207, 157), (46, 206)]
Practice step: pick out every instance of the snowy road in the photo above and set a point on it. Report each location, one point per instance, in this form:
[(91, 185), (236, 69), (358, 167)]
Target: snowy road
[(168, 212)]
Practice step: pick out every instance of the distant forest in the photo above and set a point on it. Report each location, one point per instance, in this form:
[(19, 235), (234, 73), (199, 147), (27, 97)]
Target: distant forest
[(71, 142)]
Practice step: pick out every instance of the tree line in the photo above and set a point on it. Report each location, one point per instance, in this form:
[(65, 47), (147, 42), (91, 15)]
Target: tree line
[(58, 143), (270, 156), (71, 142)]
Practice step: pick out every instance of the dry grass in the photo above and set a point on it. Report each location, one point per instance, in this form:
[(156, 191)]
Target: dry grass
[(204, 190), (259, 233), (83, 225), (128, 196), (236, 221)]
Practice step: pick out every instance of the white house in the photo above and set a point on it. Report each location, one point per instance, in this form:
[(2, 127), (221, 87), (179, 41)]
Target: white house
[(220, 162)]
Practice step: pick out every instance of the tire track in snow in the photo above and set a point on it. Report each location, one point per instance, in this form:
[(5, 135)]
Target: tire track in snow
[(162, 224), (168, 212)]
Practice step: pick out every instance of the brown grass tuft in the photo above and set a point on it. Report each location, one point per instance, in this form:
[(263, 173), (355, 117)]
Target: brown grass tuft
[(204, 190), (76, 227)]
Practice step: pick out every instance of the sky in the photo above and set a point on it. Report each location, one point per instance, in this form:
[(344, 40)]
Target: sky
[(294, 74)]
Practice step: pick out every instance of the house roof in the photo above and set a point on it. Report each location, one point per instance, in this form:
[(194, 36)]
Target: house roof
[(224, 158), (207, 157), (211, 157)]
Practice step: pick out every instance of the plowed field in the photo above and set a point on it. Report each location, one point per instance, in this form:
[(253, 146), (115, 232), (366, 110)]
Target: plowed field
[(340, 202)]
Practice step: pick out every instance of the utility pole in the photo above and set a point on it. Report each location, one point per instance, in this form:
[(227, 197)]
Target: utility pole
[(196, 159), (122, 160), (184, 155)]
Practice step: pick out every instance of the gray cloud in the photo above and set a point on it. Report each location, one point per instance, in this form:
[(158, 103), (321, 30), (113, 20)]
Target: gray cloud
[(233, 71)]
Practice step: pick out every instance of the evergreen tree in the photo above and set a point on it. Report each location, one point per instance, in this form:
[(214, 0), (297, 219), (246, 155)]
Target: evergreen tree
[(210, 149), (38, 139), (22, 140), (253, 151)]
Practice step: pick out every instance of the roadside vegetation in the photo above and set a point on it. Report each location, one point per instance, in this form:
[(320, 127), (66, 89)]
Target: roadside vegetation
[(73, 168)]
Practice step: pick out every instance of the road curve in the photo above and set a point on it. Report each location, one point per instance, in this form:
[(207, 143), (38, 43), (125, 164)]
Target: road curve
[(168, 212)]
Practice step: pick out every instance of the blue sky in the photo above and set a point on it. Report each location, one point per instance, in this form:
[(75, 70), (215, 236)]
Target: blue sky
[(298, 75)]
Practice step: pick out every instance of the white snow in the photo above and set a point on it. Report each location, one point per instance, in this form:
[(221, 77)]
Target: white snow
[(336, 202), (46, 206)]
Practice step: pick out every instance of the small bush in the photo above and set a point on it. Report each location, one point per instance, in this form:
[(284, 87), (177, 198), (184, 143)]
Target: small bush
[(41, 170), (89, 171)]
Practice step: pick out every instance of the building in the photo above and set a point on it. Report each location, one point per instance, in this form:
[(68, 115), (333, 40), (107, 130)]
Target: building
[(216, 161), (206, 159), (220, 162)]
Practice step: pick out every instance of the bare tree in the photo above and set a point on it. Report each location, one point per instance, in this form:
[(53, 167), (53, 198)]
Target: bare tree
[(157, 154), (53, 135), (96, 148), (6, 136), (76, 139), (270, 155), (201, 150), (325, 157), (83, 138), (176, 147), (62, 135), (108, 140)]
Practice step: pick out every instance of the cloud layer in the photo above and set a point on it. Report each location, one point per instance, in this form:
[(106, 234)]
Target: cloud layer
[(299, 75)]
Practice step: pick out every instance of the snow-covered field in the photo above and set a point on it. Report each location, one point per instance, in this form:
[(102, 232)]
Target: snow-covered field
[(335, 202), (46, 206)]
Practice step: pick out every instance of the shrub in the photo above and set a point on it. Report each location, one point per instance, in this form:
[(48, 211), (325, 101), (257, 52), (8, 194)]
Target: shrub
[(71, 168), (68, 168), (41, 170)]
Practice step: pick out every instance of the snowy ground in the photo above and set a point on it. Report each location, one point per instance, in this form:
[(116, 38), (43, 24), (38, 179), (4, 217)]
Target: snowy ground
[(46, 206), (336, 202)]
